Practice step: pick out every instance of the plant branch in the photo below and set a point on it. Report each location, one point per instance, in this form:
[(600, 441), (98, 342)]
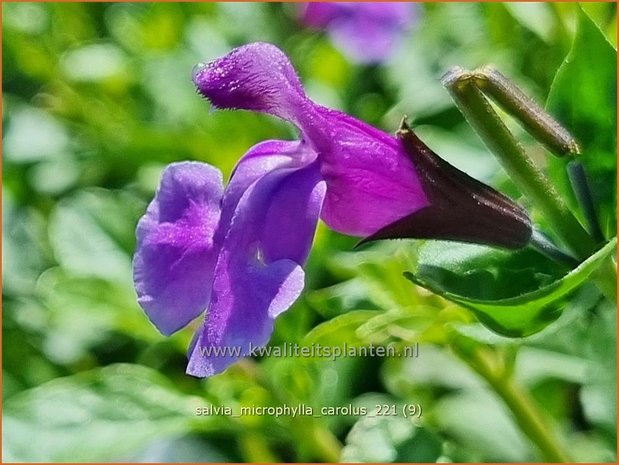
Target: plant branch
[(489, 366)]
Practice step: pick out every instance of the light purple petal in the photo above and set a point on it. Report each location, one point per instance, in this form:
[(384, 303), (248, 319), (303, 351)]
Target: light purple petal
[(366, 32), (257, 77), (371, 180), (261, 159), (175, 254), (259, 274), (370, 36)]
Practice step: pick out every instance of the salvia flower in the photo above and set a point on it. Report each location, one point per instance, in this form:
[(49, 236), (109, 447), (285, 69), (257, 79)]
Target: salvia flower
[(365, 32), (238, 251)]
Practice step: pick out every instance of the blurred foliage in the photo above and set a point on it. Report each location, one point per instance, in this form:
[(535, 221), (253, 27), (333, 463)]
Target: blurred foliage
[(97, 98)]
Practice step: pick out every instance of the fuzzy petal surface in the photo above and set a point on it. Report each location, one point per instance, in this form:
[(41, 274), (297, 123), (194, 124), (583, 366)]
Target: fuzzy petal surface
[(257, 77)]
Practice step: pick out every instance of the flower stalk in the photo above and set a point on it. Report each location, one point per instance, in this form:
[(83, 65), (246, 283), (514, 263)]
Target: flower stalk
[(532, 422), (533, 117), (543, 245), (482, 117)]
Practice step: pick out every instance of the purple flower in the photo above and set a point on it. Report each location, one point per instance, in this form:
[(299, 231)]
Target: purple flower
[(365, 32), (238, 251)]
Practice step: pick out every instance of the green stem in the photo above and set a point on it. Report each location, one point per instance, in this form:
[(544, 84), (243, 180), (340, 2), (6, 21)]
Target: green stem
[(529, 418), (543, 245), (582, 191), (255, 449), (482, 117), (535, 120), (327, 446)]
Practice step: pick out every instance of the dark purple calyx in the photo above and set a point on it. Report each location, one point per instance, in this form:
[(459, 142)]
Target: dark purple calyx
[(460, 208)]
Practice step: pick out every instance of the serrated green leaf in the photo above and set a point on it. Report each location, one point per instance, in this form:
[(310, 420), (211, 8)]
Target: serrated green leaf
[(485, 273), (514, 316), (99, 415), (583, 97)]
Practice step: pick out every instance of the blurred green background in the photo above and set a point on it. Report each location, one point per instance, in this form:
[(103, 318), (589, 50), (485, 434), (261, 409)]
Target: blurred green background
[(98, 98)]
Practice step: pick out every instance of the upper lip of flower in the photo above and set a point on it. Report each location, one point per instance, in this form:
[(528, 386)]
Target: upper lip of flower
[(239, 252), (372, 182)]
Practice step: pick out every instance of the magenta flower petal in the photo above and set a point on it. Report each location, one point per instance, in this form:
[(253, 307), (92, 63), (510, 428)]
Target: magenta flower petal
[(176, 254), (371, 181), (257, 77), (258, 274)]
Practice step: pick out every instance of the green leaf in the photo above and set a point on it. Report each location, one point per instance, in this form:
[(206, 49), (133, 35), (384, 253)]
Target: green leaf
[(485, 273), (388, 438), (92, 233), (537, 17), (480, 423), (585, 298), (99, 415), (340, 329), (379, 268), (583, 97), (191, 448), (24, 250), (406, 376), (82, 312), (340, 298), (514, 316), (598, 395)]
